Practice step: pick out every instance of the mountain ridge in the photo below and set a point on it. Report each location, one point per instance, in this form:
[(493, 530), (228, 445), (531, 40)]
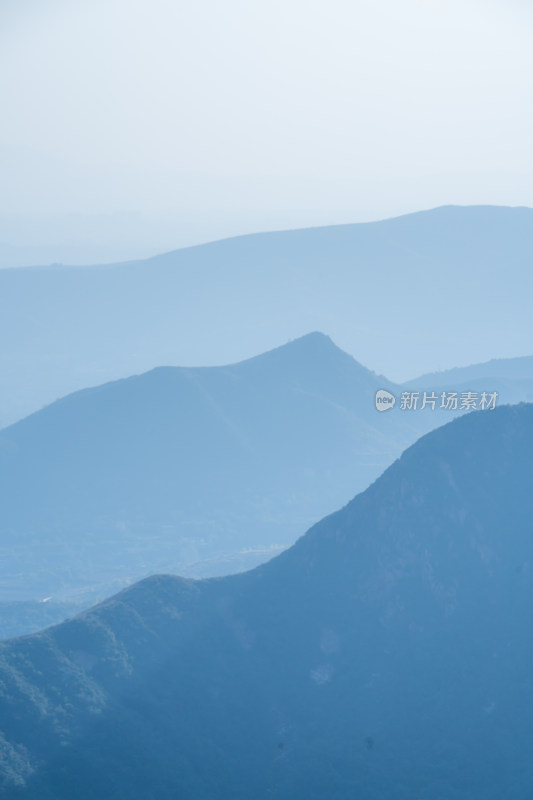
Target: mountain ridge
[(410, 216), (517, 368), (382, 291), (180, 467), (365, 659)]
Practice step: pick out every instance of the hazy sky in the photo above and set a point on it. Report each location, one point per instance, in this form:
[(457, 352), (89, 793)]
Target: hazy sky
[(210, 118)]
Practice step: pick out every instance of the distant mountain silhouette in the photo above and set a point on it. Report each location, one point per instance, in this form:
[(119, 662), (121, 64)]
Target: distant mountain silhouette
[(387, 654), (511, 378), (507, 369), (404, 294), (198, 471)]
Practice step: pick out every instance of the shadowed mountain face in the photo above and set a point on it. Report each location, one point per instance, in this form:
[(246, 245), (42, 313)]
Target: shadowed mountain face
[(195, 471), (404, 295), (387, 654)]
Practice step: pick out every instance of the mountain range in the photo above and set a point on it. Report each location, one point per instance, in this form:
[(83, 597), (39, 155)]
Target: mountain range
[(386, 654), (405, 295), (196, 471), (511, 378)]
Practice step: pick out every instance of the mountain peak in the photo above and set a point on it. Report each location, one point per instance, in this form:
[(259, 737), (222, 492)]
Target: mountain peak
[(314, 338), (306, 352), (314, 342)]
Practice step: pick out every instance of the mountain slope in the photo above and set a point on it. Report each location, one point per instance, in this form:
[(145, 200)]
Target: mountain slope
[(198, 471), (512, 378), (510, 369), (387, 654), (405, 294)]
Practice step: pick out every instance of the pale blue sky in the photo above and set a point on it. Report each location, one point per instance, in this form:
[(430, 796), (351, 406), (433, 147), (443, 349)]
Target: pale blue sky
[(208, 119)]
